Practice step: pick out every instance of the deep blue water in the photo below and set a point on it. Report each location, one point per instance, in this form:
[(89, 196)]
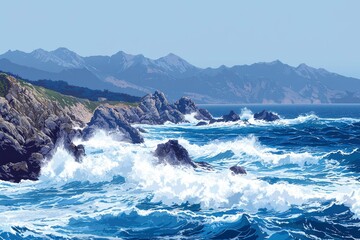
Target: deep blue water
[(302, 183)]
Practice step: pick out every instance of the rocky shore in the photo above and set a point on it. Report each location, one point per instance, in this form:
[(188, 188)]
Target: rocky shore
[(34, 121)]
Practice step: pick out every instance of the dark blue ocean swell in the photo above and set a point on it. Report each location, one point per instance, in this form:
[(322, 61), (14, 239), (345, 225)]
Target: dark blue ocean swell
[(302, 183)]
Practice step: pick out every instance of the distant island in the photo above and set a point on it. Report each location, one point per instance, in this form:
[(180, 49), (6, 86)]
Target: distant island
[(273, 82)]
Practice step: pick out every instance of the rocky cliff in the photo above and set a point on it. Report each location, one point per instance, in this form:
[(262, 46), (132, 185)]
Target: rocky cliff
[(33, 121), (155, 109), (152, 109)]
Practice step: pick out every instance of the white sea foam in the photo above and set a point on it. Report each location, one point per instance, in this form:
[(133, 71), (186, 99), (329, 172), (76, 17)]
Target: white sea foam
[(250, 149), (218, 189), (170, 184), (191, 118), (246, 114)]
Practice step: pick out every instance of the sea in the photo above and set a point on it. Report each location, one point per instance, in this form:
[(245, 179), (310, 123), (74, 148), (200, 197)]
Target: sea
[(302, 182)]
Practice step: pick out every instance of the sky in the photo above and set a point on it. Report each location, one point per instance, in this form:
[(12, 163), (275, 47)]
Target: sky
[(207, 33)]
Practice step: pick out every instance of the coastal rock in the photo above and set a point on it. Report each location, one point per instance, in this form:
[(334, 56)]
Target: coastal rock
[(238, 170), (14, 172), (173, 153), (110, 120), (204, 165), (231, 117), (201, 123), (203, 114), (34, 121), (141, 130), (78, 151), (154, 109), (32, 124), (185, 105), (266, 116)]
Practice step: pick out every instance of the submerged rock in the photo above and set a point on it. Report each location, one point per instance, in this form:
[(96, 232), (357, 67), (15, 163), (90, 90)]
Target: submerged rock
[(173, 153), (201, 123), (204, 165), (141, 130), (266, 116), (238, 170)]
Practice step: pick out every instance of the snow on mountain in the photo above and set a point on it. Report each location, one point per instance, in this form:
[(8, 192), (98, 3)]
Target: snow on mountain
[(62, 57)]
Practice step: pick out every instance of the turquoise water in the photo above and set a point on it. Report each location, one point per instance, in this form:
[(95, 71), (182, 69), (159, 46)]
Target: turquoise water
[(302, 183)]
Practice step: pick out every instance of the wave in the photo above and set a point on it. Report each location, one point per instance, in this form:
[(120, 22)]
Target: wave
[(249, 149), (248, 116), (170, 184)]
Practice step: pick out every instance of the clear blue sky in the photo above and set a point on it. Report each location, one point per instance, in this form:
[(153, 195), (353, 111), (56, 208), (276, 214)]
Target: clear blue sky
[(321, 33)]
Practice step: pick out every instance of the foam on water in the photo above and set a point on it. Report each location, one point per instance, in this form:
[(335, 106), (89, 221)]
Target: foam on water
[(123, 182), (250, 149), (170, 185)]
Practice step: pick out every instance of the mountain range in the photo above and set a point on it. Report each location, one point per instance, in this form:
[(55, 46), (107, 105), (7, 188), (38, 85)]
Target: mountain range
[(273, 82)]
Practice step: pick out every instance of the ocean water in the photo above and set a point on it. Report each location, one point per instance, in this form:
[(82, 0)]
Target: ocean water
[(302, 182)]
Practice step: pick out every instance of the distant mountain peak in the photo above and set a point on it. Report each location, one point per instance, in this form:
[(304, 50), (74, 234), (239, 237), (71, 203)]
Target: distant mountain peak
[(275, 62), (302, 65), (63, 50), (259, 82), (39, 50), (174, 63), (172, 56)]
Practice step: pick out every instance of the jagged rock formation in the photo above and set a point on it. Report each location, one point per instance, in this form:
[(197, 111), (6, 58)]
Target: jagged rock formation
[(32, 122), (155, 109), (112, 121), (266, 116), (231, 117), (152, 109)]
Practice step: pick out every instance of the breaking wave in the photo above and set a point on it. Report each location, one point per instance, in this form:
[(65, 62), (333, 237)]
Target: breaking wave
[(295, 187)]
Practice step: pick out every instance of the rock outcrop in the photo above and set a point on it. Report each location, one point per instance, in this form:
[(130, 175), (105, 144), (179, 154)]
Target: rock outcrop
[(112, 121), (231, 117), (238, 170), (33, 121), (155, 109), (201, 123), (174, 154), (266, 116)]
